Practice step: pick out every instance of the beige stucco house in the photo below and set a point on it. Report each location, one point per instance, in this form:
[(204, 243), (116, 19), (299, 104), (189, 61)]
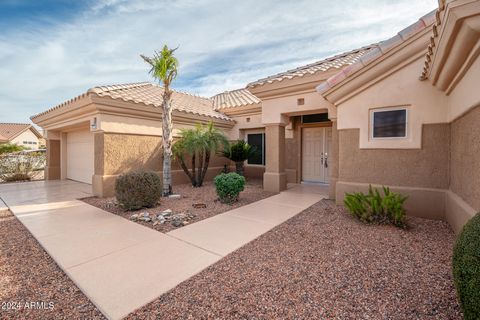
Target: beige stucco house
[(22, 134), (400, 113)]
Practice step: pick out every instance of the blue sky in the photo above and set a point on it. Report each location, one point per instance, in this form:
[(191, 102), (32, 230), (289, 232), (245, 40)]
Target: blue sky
[(53, 50)]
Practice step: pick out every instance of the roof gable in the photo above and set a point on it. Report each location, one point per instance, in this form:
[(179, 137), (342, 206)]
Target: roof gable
[(376, 52), (234, 98), (9, 131), (335, 62)]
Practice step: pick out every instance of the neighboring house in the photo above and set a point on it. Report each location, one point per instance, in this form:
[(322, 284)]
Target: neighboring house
[(402, 113), (22, 134)]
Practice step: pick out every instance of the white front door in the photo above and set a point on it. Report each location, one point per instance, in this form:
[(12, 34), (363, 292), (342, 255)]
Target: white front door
[(315, 151)]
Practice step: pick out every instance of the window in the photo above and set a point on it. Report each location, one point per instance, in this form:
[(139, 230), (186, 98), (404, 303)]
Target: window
[(390, 123), (257, 140), (315, 118)]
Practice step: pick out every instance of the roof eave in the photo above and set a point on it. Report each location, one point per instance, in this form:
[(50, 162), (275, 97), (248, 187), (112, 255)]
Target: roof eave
[(374, 67)]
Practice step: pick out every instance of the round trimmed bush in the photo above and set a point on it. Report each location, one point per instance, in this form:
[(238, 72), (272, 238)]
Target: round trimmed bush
[(229, 186), (466, 268), (138, 189)]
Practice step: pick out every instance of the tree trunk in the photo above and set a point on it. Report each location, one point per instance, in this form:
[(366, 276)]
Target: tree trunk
[(193, 177), (200, 168), (205, 166), (167, 142), (239, 168), (186, 170)]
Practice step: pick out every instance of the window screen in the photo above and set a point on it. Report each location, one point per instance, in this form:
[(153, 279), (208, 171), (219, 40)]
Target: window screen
[(257, 140), (390, 124)]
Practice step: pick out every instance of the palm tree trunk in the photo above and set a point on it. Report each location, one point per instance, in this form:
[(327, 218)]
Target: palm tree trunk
[(167, 142), (193, 177), (205, 167), (239, 168), (186, 170), (200, 168)]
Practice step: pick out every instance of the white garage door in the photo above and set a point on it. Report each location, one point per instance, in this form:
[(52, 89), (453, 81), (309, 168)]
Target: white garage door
[(80, 155)]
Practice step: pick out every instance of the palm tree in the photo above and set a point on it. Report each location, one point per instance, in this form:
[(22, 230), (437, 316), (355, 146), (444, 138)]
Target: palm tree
[(198, 143), (238, 153), (164, 69)]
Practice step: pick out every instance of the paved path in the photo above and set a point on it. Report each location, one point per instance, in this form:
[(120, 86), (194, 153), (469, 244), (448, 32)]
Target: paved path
[(121, 265)]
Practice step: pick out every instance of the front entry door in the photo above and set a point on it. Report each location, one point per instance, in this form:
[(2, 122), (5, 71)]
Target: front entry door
[(315, 151)]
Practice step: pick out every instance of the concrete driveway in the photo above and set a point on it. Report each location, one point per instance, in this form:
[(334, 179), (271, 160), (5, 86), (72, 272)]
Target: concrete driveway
[(121, 265)]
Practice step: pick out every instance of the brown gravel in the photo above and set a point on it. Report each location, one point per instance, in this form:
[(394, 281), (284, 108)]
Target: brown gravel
[(28, 274), (206, 194), (323, 264)]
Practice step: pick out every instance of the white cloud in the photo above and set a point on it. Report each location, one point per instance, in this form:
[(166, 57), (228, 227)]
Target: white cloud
[(223, 44)]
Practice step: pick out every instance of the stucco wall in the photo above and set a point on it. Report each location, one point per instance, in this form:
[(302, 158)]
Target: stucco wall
[(118, 153), (27, 136), (427, 167), (426, 105), (465, 94), (293, 151), (465, 163)]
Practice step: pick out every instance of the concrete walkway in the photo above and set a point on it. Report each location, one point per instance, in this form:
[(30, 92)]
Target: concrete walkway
[(121, 265)]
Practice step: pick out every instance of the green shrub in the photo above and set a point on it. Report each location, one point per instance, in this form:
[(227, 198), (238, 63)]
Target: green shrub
[(238, 152), (138, 189), (373, 208), (229, 186), (10, 148), (466, 268)]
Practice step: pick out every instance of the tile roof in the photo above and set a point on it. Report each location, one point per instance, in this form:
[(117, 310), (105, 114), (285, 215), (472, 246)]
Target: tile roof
[(433, 40), (337, 62), (150, 94), (234, 98), (9, 131), (379, 50)]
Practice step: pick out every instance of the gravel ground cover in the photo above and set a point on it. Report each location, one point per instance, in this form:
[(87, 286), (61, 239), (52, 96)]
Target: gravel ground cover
[(183, 207), (32, 286), (323, 264)]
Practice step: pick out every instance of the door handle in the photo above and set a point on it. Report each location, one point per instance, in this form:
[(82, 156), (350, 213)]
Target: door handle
[(321, 159), (326, 160)]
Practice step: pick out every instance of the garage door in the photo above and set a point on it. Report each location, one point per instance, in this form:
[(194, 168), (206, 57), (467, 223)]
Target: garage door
[(80, 155)]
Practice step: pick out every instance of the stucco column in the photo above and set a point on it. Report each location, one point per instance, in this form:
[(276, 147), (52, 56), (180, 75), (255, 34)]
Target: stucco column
[(275, 178), (333, 161), (52, 167), (99, 181)]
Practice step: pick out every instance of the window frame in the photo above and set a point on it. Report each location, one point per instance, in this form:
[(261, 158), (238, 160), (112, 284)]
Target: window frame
[(264, 150), (371, 126)]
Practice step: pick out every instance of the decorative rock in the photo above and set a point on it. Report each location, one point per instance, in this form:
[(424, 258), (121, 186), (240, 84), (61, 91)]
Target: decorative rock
[(185, 223), (177, 223), (134, 217), (156, 222), (166, 213), (146, 214), (147, 219), (174, 196)]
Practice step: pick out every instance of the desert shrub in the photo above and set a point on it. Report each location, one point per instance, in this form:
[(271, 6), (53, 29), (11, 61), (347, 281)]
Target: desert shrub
[(138, 189), (238, 152), (466, 268), (229, 186), (17, 177), (21, 165), (10, 148), (375, 208), (198, 144)]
